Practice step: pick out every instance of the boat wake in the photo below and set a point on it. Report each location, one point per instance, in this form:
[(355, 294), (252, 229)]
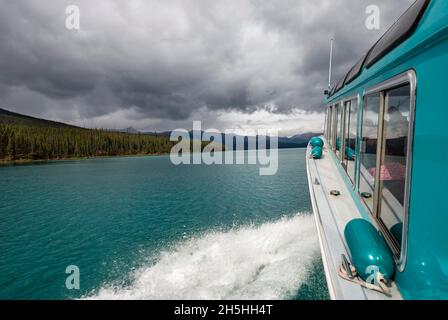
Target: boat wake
[(269, 261)]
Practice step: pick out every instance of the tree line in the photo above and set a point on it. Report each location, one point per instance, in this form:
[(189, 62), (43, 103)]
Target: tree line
[(24, 142)]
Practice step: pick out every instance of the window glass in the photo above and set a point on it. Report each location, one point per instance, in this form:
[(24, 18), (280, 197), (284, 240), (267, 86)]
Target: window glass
[(338, 129), (341, 131), (394, 161), (351, 146), (368, 150), (346, 132), (326, 123), (330, 126)]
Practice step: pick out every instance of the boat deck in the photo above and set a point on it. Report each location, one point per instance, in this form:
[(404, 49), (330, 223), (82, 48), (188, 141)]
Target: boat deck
[(331, 216)]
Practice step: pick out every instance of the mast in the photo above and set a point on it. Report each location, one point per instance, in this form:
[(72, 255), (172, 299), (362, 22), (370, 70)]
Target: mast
[(330, 66)]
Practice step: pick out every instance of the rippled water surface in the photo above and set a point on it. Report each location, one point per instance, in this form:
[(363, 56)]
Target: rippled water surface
[(142, 228)]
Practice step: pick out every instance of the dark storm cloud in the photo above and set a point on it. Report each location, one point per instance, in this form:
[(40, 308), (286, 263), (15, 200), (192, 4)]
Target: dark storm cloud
[(167, 59)]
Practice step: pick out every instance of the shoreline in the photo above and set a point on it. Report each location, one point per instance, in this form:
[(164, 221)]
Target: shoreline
[(18, 162), (6, 163)]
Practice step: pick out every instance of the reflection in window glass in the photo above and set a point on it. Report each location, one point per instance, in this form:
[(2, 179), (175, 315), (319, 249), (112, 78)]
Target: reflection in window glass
[(330, 126), (338, 129), (351, 147), (369, 143), (346, 132), (394, 163), (333, 127), (341, 131)]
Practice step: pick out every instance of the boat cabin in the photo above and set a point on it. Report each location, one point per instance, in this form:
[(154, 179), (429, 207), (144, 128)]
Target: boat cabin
[(385, 153)]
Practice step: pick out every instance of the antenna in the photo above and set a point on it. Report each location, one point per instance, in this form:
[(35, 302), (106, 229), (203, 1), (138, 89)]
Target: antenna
[(331, 61)]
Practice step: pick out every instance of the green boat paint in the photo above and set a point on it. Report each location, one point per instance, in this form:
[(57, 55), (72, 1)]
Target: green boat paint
[(425, 272)]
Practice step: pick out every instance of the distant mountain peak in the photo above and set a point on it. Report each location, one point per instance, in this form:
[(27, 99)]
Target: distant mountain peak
[(131, 130)]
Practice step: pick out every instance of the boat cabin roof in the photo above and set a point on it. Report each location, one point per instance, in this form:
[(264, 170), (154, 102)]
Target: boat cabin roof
[(407, 33)]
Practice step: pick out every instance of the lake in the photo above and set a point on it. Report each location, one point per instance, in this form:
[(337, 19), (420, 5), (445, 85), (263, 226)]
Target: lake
[(142, 228)]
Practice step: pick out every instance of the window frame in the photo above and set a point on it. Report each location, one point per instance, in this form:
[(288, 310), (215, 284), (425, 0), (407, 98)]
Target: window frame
[(336, 107), (330, 126), (350, 99), (360, 136), (406, 78), (339, 130), (346, 106), (333, 126)]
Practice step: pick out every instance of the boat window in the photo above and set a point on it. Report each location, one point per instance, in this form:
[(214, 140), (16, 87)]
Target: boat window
[(339, 85), (330, 125), (346, 132), (339, 123), (399, 32), (368, 152), (333, 117), (392, 177), (352, 135), (325, 123), (355, 71), (332, 90)]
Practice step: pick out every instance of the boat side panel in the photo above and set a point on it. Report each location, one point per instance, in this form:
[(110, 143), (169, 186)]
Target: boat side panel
[(426, 271), (425, 274)]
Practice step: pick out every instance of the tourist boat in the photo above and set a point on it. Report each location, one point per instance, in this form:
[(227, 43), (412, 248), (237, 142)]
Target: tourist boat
[(377, 175)]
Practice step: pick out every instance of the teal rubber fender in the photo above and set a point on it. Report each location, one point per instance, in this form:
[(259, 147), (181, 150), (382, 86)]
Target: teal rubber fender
[(368, 249), (316, 142), (350, 153), (316, 152)]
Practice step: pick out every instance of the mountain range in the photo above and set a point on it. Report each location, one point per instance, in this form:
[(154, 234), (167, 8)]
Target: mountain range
[(296, 141), (9, 117)]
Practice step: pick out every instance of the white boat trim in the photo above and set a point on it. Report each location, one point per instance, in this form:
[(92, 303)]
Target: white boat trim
[(331, 216)]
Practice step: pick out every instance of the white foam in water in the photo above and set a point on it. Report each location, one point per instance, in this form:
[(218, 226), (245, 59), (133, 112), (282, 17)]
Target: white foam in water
[(269, 261)]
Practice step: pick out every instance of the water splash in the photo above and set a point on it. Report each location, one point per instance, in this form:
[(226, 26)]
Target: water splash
[(269, 261)]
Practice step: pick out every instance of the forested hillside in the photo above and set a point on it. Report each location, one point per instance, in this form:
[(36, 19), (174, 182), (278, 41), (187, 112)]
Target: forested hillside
[(9, 117), (28, 138)]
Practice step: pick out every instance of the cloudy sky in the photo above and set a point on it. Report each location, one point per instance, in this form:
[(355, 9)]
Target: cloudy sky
[(160, 64)]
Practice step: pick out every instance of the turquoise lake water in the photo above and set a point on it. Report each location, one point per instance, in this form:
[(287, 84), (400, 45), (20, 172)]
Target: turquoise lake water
[(142, 228)]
